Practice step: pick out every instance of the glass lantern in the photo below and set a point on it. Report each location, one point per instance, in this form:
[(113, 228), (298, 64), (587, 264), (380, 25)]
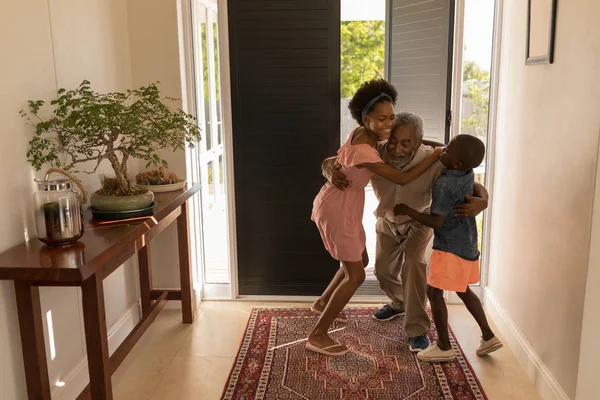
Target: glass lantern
[(58, 215)]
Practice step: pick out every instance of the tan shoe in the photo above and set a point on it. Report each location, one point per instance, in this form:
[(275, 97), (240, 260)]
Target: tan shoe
[(434, 354), (488, 346)]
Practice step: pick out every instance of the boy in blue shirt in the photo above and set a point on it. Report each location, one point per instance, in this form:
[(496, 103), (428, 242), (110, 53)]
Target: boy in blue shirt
[(454, 264)]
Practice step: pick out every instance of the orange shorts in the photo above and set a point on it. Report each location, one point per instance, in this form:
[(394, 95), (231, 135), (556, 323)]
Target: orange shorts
[(450, 272)]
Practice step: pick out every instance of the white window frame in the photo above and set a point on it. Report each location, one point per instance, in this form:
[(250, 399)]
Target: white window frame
[(189, 105), (199, 156), (479, 289)]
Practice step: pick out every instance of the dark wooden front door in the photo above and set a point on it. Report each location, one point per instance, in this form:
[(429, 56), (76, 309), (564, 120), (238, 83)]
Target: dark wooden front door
[(285, 89)]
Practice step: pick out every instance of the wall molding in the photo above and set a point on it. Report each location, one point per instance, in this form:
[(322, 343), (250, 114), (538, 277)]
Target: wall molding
[(78, 378), (545, 383)]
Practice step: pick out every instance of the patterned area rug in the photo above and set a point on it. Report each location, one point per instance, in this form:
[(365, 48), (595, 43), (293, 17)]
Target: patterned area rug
[(273, 363)]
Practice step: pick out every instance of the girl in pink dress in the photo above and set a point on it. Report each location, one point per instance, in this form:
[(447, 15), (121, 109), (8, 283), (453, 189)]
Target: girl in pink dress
[(338, 214)]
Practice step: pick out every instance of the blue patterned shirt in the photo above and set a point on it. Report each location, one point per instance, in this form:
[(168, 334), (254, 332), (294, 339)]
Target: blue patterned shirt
[(458, 235)]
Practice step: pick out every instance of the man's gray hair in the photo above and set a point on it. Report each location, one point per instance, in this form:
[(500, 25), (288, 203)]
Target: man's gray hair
[(406, 118)]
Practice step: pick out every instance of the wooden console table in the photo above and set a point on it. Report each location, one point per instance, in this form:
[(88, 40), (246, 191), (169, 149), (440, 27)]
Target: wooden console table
[(104, 247)]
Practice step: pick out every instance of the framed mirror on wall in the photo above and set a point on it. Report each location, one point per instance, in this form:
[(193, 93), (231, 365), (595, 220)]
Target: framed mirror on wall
[(541, 29)]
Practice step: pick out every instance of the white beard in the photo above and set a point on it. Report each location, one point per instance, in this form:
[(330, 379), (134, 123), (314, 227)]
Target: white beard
[(403, 163)]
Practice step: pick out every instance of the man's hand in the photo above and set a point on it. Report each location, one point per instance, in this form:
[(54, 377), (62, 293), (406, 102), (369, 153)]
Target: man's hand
[(472, 207), (331, 171), (401, 209)]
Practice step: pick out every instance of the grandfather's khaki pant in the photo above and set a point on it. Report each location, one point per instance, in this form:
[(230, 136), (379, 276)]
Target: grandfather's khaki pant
[(401, 269)]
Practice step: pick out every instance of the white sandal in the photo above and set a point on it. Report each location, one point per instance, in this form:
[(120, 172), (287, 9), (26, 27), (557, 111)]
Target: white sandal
[(324, 350)]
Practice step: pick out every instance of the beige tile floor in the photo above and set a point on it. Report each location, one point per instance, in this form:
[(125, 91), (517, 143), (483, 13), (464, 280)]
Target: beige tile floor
[(176, 361)]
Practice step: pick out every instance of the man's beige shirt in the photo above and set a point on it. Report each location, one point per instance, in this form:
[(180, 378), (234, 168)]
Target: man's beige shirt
[(417, 194)]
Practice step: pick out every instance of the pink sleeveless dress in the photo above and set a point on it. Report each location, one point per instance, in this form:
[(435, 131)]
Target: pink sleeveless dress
[(338, 214)]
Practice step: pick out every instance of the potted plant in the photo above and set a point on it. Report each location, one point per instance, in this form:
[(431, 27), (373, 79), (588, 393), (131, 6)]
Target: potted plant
[(86, 128)]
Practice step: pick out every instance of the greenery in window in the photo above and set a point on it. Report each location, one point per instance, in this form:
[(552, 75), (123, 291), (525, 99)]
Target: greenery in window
[(362, 53), (477, 82)]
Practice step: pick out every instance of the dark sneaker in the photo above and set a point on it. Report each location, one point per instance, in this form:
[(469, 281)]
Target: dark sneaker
[(386, 313), (418, 343)]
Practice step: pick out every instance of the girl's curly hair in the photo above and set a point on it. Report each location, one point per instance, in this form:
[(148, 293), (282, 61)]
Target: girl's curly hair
[(368, 91)]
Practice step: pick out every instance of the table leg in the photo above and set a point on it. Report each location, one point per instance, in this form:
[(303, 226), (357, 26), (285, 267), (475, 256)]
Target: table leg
[(145, 268), (185, 271), (32, 340), (94, 318)]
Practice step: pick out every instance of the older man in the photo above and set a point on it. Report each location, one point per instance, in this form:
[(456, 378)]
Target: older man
[(400, 265)]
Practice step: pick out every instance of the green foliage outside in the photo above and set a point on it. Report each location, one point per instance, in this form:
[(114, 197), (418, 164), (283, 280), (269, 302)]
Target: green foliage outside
[(363, 53), (477, 82)]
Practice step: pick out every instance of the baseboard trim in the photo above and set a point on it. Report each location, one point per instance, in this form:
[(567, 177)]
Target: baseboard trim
[(123, 327), (75, 382), (78, 378), (540, 375), (176, 304)]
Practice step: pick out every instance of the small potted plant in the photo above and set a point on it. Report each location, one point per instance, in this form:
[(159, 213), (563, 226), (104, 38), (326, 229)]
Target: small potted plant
[(86, 128)]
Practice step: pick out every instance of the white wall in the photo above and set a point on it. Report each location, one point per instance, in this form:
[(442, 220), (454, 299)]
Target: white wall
[(546, 153), (587, 385), (28, 72), (153, 31), (46, 45)]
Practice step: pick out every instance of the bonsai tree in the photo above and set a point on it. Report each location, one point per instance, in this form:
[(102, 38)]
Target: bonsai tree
[(86, 128)]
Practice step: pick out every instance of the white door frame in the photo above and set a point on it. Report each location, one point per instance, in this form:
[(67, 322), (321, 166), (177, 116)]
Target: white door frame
[(231, 291), (228, 144), (226, 291), (186, 62), (492, 125), (491, 140), (199, 157)]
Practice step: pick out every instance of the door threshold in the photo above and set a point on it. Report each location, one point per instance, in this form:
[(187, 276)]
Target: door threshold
[(359, 299)]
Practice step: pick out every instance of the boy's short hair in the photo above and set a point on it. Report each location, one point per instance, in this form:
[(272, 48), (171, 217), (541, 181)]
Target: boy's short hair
[(471, 150)]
